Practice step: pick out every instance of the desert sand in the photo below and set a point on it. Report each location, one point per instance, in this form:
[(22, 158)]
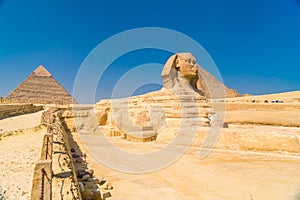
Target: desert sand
[(18, 154), (287, 97), (223, 175), (254, 110)]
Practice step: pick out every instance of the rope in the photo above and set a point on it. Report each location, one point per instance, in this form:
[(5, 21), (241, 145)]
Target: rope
[(47, 145), (43, 183)]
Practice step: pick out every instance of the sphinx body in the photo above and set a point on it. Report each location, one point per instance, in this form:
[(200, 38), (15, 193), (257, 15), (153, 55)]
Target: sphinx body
[(161, 115)]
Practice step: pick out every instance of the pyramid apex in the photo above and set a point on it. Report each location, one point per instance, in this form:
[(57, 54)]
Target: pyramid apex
[(42, 71)]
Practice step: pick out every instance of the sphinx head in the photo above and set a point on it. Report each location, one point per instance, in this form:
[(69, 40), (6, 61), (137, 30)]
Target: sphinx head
[(181, 70), (186, 65)]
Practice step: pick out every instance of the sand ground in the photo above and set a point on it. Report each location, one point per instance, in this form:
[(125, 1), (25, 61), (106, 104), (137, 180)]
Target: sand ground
[(223, 175), (18, 155)]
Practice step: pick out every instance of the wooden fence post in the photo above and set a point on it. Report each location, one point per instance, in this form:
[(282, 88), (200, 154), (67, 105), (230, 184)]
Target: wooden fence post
[(47, 148), (42, 181)]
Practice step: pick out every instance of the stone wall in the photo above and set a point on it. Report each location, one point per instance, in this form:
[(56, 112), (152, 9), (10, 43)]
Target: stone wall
[(153, 115), (48, 172), (68, 163), (9, 110)]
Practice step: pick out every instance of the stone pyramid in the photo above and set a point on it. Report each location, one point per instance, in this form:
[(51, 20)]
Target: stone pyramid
[(40, 88), (207, 78)]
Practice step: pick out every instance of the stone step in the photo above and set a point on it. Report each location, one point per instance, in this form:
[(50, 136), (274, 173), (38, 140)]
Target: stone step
[(176, 122)]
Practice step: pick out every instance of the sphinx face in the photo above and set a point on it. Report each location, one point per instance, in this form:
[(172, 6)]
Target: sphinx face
[(186, 67)]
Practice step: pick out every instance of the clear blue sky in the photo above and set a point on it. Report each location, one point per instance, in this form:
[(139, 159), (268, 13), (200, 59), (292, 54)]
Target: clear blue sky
[(254, 43)]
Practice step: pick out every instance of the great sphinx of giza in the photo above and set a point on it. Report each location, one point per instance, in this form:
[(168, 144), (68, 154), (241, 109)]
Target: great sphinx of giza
[(159, 115)]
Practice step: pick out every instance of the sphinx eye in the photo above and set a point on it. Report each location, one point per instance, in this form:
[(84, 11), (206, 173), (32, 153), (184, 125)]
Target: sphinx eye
[(191, 61)]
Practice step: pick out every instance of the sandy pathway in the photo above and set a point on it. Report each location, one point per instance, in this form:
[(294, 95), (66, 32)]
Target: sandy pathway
[(223, 175)]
